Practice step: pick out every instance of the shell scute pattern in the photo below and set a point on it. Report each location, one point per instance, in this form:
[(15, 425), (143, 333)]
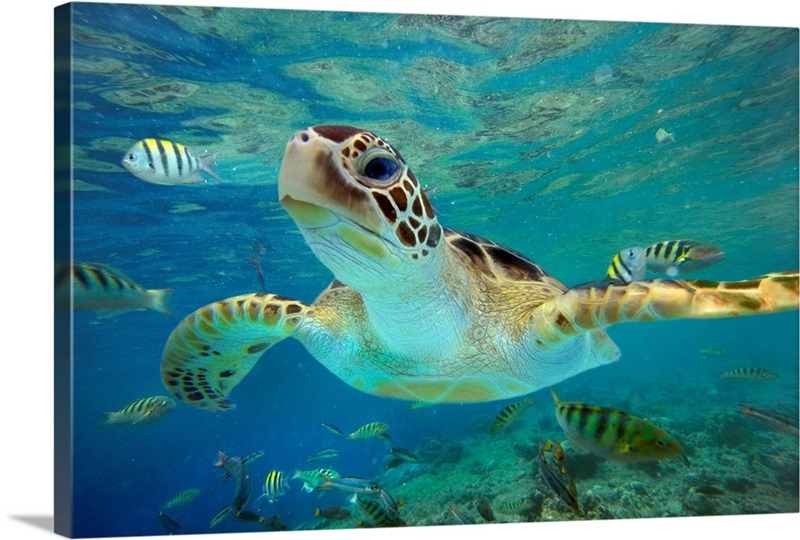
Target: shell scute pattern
[(494, 260)]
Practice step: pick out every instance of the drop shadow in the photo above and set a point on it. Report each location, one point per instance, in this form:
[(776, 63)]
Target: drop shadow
[(45, 523)]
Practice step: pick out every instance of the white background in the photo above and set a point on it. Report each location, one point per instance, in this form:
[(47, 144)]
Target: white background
[(26, 211)]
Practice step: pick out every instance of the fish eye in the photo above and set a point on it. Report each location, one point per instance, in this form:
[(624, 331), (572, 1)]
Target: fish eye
[(660, 443), (380, 168), (131, 157)]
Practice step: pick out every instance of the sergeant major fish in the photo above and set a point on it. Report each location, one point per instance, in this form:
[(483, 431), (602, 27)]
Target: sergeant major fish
[(508, 415), (750, 373), (140, 412), (714, 351), (628, 265), (99, 287), (159, 161), (274, 486), (314, 478), (375, 515), (675, 257), (615, 435), (375, 430), (182, 498)]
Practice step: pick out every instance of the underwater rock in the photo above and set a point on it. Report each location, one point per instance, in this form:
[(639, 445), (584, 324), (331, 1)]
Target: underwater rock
[(727, 429), (525, 451), (439, 451), (400, 475), (739, 484), (785, 466), (698, 504)]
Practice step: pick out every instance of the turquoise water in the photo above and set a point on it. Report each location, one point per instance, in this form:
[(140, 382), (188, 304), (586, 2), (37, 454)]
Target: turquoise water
[(539, 135)]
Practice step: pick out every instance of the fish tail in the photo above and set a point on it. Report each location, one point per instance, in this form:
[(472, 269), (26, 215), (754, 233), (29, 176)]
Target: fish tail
[(106, 419), (160, 300), (207, 164)]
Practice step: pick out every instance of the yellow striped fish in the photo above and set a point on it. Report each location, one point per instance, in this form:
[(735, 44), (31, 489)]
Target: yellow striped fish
[(714, 351), (615, 435), (140, 412), (374, 430), (159, 161), (628, 265), (275, 485), (314, 478), (675, 257), (750, 373), (99, 287), (508, 415), (182, 498)]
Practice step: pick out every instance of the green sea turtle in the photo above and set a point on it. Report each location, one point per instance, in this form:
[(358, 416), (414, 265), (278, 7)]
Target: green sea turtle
[(420, 312)]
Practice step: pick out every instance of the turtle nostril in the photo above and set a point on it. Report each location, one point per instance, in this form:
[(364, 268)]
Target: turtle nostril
[(304, 136)]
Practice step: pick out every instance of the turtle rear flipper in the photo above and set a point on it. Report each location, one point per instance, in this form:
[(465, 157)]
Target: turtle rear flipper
[(215, 347), (587, 308)]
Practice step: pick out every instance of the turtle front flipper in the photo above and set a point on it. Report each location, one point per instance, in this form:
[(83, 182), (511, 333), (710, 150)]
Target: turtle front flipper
[(214, 348), (583, 309)]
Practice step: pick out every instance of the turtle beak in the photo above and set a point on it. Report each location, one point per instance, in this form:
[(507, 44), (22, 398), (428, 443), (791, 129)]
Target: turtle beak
[(314, 188)]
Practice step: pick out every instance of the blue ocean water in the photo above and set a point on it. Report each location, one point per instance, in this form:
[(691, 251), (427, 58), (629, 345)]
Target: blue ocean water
[(539, 135)]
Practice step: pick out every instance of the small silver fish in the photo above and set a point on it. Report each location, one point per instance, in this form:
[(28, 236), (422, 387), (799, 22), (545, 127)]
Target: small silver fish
[(329, 453), (460, 516), (350, 484), (781, 422), (333, 429), (567, 493), (159, 161)]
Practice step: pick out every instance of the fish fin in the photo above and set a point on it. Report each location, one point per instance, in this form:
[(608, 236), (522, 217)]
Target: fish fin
[(160, 300), (207, 164), (553, 393)]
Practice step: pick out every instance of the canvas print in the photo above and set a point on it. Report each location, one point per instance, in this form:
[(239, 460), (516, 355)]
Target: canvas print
[(333, 270)]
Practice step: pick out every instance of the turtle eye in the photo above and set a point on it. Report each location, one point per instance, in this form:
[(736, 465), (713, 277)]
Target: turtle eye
[(380, 168)]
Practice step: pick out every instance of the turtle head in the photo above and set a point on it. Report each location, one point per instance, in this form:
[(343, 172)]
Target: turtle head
[(358, 205)]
